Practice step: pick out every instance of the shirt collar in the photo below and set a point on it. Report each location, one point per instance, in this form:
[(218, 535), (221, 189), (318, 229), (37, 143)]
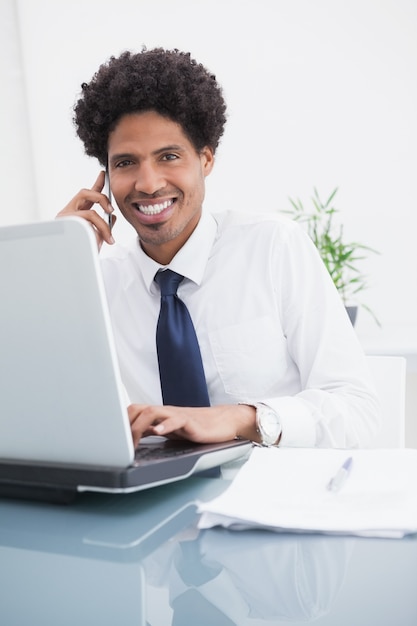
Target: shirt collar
[(190, 261)]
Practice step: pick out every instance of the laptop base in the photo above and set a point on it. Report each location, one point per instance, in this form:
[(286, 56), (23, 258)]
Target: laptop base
[(53, 495), (164, 462)]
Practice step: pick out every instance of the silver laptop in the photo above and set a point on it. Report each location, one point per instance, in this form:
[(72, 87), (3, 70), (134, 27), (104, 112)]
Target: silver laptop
[(63, 421)]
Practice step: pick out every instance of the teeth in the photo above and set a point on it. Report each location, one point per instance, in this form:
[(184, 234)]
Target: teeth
[(154, 209)]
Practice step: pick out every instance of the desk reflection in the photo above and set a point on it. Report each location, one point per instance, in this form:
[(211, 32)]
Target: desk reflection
[(82, 563), (95, 561), (223, 578), (140, 560)]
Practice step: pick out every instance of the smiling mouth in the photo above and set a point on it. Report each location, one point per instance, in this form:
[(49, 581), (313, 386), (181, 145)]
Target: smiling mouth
[(154, 209)]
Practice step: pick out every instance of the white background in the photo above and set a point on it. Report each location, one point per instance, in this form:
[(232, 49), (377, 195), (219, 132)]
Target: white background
[(321, 93)]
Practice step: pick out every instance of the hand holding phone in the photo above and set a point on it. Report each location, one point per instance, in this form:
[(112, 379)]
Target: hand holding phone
[(84, 204)]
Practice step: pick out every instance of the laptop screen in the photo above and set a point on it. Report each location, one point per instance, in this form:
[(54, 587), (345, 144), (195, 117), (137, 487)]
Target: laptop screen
[(61, 397)]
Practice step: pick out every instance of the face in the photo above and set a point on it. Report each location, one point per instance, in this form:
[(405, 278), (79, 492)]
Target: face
[(157, 178)]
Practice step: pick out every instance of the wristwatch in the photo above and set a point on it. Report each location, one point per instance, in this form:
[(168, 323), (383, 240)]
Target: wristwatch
[(268, 425)]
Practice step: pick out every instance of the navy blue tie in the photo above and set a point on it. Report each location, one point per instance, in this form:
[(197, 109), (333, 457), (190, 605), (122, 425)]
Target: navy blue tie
[(180, 366)]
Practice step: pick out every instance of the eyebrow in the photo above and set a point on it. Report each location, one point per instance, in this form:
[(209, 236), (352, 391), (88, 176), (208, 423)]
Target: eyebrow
[(172, 148)]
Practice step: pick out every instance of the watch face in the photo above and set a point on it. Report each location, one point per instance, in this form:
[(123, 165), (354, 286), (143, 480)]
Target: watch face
[(269, 425)]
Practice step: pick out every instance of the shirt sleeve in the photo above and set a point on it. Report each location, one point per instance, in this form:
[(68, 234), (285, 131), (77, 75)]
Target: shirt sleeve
[(337, 405)]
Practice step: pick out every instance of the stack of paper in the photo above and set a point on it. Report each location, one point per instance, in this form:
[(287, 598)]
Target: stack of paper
[(287, 489)]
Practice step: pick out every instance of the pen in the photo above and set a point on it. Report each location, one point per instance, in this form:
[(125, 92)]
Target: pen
[(340, 477)]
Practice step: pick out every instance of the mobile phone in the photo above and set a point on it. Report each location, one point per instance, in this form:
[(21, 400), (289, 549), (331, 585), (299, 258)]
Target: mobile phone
[(109, 195)]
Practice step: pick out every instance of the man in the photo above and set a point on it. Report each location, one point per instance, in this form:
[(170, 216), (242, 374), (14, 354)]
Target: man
[(282, 364)]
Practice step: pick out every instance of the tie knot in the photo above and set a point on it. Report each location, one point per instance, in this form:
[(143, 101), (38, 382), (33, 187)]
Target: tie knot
[(168, 282)]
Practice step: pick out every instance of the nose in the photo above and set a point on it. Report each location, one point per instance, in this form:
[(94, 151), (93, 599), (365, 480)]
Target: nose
[(149, 178)]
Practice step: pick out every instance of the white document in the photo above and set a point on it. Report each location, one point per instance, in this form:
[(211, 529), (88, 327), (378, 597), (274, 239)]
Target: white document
[(287, 489)]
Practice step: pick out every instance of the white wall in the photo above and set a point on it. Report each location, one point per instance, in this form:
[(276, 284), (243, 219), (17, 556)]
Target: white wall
[(18, 198), (321, 93)]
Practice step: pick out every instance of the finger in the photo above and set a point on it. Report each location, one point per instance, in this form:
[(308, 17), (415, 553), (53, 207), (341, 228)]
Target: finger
[(154, 420), (101, 227), (99, 182), (81, 206), (201, 425), (137, 425), (84, 201), (86, 198), (134, 410), (104, 200), (173, 427), (105, 233)]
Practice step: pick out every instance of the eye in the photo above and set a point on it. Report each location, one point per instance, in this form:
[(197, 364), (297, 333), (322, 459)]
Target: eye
[(123, 163), (170, 157)]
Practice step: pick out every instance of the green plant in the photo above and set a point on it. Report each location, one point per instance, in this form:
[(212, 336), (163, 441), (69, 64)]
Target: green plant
[(339, 257)]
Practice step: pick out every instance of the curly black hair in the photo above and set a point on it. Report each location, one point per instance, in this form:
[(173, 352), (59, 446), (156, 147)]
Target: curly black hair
[(169, 82)]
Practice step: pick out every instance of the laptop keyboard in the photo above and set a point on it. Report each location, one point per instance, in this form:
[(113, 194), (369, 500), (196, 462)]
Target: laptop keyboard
[(158, 452)]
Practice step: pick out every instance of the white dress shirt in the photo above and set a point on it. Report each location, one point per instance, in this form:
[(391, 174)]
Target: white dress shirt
[(271, 327)]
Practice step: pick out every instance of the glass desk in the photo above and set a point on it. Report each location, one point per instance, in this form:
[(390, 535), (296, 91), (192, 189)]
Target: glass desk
[(139, 560)]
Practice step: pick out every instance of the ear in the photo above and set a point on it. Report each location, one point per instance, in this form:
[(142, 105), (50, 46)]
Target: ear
[(207, 160)]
